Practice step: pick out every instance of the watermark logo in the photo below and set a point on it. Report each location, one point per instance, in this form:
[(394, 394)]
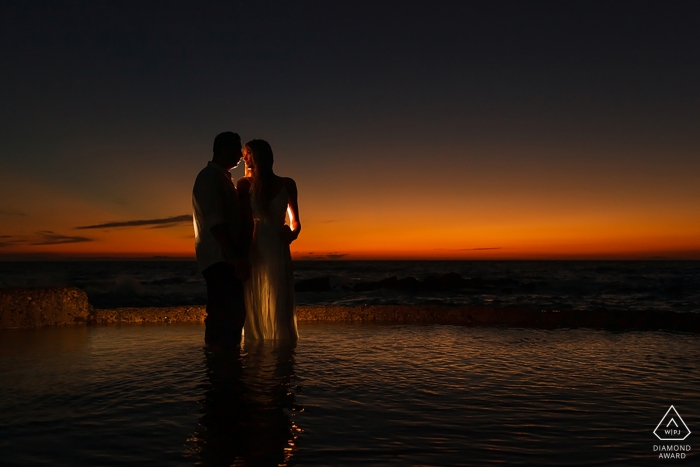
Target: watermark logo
[(672, 427)]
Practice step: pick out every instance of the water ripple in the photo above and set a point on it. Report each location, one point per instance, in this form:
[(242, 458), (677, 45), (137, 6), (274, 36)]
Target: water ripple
[(345, 395)]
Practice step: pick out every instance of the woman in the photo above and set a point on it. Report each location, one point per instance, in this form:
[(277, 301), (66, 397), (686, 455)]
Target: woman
[(269, 293)]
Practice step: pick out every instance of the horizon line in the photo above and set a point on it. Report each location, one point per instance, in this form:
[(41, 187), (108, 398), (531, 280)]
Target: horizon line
[(58, 257)]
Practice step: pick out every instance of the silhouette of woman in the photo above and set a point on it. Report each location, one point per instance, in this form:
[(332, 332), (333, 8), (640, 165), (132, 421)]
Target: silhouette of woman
[(269, 293)]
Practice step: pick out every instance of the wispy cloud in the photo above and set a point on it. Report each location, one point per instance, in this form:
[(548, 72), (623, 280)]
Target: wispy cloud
[(47, 237), (333, 255), (167, 226), (160, 223), (12, 212), (468, 249), (8, 240)]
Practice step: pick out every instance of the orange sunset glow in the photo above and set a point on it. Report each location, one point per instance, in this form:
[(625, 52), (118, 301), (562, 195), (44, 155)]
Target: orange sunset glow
[(453, 212)]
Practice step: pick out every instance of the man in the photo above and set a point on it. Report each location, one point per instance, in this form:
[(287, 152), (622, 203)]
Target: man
[(221, 251)]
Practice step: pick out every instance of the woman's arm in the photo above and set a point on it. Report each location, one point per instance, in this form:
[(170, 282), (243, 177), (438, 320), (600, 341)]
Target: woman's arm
[(293, 211)]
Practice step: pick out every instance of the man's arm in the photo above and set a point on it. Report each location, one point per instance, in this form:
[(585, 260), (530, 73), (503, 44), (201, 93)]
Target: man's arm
[(233, 254), (209, 198), (229, 247)]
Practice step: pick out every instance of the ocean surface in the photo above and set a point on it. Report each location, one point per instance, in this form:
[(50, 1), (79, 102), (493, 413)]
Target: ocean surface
[(563, 285), (345, 395)]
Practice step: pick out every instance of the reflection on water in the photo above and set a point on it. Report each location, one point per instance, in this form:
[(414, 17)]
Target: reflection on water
[(40, 343), (372, 396), (245, 412)]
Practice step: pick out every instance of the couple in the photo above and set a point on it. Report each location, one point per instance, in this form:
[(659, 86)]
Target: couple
[(242, 244)]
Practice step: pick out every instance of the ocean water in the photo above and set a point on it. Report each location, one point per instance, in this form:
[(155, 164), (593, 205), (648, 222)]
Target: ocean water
[(345, 395), (563, 285)]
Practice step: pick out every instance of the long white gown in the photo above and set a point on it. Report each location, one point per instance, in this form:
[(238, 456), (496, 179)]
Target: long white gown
[(269, 293)]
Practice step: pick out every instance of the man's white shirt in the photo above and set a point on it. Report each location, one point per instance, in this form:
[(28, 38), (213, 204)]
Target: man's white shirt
[(214, 201)]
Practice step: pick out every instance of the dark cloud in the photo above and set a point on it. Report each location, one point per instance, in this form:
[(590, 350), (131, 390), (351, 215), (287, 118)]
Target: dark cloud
[(469, 249), (161, 223), (47, 237), (325, 255), (12, 212), (8, 240), (167, 226)]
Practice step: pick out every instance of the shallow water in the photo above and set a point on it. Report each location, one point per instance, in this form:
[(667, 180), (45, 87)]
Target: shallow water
[(347, 395)]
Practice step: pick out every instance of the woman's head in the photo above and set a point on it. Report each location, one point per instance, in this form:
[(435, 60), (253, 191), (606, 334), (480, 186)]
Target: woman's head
[(258, 157)]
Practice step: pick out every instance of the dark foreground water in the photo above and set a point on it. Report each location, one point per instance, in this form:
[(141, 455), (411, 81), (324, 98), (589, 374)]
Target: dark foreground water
[(346, 395), (563, 285)]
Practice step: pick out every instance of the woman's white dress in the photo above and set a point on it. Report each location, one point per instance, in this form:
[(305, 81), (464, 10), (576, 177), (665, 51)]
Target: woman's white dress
[(269, 293)]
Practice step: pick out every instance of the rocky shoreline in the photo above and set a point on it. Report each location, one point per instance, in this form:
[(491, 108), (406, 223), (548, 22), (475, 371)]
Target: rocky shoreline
[(60, 306), (46, 306)]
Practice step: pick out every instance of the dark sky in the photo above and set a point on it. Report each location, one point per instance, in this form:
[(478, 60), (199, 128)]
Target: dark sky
[(103, 101)]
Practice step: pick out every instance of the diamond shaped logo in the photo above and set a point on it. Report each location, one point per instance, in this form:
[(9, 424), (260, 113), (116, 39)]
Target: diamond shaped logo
[(672, 427)]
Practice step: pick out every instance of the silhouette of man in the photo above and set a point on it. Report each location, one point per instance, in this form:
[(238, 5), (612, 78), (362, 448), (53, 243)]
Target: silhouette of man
[(221, 253)]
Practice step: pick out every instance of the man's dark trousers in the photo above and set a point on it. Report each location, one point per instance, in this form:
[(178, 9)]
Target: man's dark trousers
[(225, 305)]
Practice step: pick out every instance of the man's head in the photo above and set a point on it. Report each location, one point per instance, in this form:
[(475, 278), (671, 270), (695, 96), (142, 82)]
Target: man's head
[(227, 149)]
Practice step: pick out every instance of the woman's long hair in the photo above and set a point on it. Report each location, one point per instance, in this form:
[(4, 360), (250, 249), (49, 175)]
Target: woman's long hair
[(262, 174)]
